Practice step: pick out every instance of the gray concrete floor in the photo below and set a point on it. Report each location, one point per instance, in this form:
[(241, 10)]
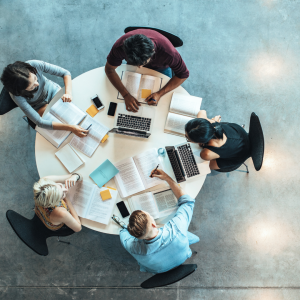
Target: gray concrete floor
[(243, 56)]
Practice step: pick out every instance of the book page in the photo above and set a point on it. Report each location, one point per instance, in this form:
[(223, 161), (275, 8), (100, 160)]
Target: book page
[(131, 81), (128, 179), (147, 82), (145, 202), (166, 202), (146, 162), (185, 105), (67, 112), (176, 123)]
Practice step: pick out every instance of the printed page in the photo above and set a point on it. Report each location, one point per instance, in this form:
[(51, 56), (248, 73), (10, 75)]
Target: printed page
[(146, 162), (131, 81), (185, 105), (67, 112), (89, 143), (99, 210), (128, 179), (176, 123), (145, 202), (150, 83), (166, 202), (56, 137)]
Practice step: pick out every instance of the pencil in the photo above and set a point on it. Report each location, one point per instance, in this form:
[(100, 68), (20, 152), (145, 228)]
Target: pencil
[(154, 171)]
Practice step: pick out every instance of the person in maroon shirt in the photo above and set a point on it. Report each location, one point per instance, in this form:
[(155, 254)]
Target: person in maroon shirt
[(150, 49)]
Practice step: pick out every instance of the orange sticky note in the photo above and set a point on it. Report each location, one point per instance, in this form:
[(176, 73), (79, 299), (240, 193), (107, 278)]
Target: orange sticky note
[(146, 93), (105, 195), (92, 111), (105, 138)]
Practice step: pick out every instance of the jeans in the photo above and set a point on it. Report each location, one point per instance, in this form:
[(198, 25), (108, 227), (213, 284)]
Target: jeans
[(165, 71), (192, 238)]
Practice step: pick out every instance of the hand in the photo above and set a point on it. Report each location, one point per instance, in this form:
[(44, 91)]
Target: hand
[(79, 131), (66, 98), (131, 103), (159, 174), (71, 181), (217, 119), (155, 96)]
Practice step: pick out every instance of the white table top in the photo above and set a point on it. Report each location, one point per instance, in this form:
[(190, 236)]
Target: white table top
[(117, 147)]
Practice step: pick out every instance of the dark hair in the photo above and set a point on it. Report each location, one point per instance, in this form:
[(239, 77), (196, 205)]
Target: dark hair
[(137, 226), (202, 131), (15, 78), (138, 49)]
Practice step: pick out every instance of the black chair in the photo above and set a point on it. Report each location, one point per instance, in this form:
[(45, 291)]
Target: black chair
[(170, 277), (175, 40), (33, 232)]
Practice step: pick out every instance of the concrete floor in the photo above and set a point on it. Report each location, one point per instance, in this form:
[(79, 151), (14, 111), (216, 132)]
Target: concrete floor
[(243, 56)]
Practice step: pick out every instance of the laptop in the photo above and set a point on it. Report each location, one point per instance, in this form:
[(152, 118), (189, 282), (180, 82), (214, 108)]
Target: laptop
[(137, 124), (183, 162)]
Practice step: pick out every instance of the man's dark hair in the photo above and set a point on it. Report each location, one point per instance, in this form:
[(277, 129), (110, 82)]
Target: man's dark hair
[(138, 49), (15, 78)]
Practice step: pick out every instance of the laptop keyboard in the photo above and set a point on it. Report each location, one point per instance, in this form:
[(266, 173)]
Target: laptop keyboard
[(176, 164), (188, 160), (128, 121)]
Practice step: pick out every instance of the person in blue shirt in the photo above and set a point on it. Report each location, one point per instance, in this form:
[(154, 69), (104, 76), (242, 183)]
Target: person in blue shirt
[(159, 250)]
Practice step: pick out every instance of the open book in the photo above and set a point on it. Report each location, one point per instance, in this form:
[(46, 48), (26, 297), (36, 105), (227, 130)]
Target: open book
[(134, 172), (61, 112), (158, 203), (135, 83), (88, 203), (182, 109), (89, 143)]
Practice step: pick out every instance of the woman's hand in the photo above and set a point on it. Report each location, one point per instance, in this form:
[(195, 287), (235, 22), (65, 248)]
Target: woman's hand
[(66, 98), (217, 119), (159, 174), (79, 131), (71, 181)]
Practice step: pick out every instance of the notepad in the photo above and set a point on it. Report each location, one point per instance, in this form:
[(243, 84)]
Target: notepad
[(105, 195), (146, 93), (105, 172), (92, 111)]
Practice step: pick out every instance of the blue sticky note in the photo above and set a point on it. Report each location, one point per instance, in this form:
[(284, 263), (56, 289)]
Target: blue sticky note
[(104, 173)]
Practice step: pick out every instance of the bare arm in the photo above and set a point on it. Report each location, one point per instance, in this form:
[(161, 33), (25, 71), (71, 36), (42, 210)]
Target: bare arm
[(203, 115), (76, 129), (67, 97), (69, 180)]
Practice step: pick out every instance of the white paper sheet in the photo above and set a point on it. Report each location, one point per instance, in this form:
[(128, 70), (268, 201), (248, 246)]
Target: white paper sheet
[(176, 123), (185, 104)]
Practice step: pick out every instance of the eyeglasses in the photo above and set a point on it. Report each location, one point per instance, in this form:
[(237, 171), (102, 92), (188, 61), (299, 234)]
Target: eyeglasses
[(118, 221)]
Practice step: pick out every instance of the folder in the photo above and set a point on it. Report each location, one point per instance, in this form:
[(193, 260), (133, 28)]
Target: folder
[(105, 172)]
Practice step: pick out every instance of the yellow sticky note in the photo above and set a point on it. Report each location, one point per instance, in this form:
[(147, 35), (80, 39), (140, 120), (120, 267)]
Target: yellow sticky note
[(111, 188), (105, 195), (92, 111), (146, 93), (105, 138)]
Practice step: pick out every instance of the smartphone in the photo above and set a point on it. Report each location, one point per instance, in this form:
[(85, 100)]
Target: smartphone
[(123, 209), (96, 100), (112, 108)]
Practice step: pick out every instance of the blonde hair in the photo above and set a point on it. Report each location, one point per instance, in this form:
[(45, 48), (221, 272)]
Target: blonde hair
[(46, 193)]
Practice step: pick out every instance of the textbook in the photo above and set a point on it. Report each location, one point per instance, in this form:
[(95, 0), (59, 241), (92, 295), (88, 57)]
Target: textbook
[(183, 108), (86, 199), (158, 203), (140, 86), (61, 112), (88, 144), (134, 172)]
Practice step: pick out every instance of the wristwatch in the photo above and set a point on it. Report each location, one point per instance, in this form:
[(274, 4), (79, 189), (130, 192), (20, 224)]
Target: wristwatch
[(77, 175)]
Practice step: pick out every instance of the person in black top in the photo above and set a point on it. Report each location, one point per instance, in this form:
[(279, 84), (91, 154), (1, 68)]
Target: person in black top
[(224, 144)]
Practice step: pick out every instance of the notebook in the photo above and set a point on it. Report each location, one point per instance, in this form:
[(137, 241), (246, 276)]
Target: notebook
[(180, 114), (61, 112), (105, 172), (69, 158)]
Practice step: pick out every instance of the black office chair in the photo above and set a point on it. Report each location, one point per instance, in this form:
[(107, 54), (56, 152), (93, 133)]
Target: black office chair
[(170, 277), (257, 145), (175, 40), (33, 232)]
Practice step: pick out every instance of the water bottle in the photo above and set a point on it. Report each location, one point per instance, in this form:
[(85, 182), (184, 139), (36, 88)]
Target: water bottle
[(161, 151)]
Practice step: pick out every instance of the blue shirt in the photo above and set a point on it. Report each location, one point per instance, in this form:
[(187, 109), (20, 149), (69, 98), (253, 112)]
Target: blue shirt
[(170, 248)]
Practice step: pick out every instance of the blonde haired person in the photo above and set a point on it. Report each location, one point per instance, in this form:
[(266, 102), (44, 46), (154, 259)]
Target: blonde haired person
[(51, 204)]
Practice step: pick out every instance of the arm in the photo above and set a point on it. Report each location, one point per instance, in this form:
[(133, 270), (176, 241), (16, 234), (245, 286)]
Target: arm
[(131, 103), (67, 97), (69, 180)]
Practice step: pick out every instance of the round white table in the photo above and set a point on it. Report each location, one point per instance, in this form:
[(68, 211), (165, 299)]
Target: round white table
[(117, 147)]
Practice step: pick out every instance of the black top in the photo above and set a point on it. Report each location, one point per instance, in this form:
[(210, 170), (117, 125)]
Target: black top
[(236, 149)]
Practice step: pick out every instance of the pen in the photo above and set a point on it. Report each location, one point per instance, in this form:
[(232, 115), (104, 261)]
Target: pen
[(154, 171), (89, 128)]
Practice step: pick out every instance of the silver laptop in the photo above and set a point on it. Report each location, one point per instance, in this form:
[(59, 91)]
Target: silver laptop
[(137, 124)]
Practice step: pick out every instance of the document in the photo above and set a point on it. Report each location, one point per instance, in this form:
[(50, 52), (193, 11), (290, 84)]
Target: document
[(175, 124)]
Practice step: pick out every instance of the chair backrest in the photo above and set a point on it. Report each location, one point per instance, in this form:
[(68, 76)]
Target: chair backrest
[(257, 144), (33, 232), (172, 276), (175, 40), (6, 103)]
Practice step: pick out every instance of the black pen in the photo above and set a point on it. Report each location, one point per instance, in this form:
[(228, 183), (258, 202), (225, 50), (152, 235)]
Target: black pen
[(89, 128), (154, 171)]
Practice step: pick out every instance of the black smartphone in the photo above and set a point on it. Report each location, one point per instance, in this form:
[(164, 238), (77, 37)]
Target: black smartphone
[(112, 108), (123, 209), (97, 102)]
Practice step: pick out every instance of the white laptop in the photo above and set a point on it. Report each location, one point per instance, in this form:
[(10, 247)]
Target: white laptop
[(136, 124)]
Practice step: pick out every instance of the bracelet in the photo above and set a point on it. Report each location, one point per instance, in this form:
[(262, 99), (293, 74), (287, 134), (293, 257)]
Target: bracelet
[(125, 95), (77, 175)]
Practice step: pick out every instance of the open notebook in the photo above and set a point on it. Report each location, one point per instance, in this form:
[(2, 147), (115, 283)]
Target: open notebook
[(182, 109), (135, 83), (89, 143), (61, 112), (158, 203), (134, 172), (88, 203)]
